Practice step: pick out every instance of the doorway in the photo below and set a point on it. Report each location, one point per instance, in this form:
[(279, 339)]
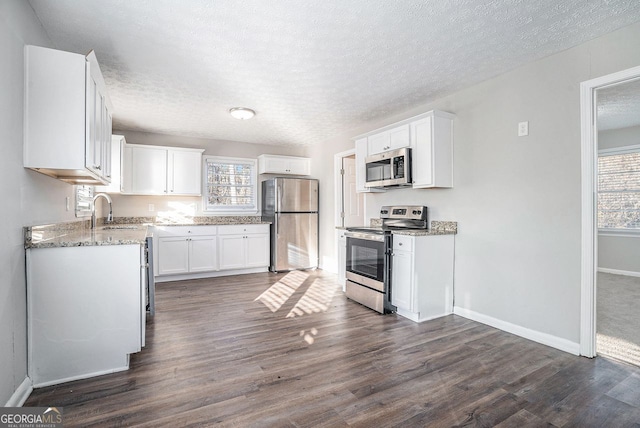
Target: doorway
[(349, 203), (618, 221), (591, 114)]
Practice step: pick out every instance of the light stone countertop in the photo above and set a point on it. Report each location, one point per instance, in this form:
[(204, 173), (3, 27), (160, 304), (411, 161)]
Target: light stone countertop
[(42, 237), (122, 231), (437, 228)]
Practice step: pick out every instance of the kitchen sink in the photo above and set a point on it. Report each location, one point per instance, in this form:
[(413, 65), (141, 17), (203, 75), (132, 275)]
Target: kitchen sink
[(119, 227)]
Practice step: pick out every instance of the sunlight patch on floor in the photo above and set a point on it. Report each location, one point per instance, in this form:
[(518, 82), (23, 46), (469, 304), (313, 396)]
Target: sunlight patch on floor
[(317, 298), (619, 349), (276, 295)]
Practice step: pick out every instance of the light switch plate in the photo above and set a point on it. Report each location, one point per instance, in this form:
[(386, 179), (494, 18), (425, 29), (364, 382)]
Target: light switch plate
[(523, 129), (151, 208)]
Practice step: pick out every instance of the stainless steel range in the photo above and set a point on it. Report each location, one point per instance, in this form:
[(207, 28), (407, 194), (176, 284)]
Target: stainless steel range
[(369, 266)]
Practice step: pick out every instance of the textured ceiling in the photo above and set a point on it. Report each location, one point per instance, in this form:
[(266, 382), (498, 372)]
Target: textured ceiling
[(619, 106), (311, 69)]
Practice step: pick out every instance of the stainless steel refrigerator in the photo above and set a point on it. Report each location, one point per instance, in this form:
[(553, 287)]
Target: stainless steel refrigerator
[(291, 205)]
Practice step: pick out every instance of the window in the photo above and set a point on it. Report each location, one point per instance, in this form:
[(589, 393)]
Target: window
[(230, 185), (619, 188)]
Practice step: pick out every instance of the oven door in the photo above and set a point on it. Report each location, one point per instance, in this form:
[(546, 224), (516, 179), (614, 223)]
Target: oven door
[(366, 262)]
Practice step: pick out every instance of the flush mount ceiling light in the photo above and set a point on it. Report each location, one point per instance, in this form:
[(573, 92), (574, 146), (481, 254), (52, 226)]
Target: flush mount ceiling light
[(242, 113)]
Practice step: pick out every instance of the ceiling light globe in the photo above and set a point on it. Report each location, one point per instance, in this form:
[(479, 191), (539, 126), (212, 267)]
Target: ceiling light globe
[(242, 113)]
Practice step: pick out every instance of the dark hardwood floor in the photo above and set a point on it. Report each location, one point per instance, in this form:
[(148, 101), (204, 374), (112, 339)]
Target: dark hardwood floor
[(217, 354)]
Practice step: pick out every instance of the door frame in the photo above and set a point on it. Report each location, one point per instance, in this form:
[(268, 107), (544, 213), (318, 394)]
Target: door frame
[(589, 155), (339, 197)]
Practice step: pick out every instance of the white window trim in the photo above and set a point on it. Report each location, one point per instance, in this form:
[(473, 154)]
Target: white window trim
[(229, 210), (610, 231)]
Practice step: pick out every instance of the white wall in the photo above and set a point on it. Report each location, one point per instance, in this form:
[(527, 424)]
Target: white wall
[(619, 253), (27, 197), (138, 206), (517, 199)]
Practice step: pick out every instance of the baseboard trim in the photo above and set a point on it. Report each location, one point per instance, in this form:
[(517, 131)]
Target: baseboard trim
[(21, 394), (620, 272), (536, 336), (212, 274), (82, 376)]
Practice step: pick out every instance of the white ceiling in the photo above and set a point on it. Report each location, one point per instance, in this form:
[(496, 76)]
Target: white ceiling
[(311, 69)]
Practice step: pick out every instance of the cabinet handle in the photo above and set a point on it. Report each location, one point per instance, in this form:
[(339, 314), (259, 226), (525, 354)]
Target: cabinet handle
[(400, 244), (97, 167)]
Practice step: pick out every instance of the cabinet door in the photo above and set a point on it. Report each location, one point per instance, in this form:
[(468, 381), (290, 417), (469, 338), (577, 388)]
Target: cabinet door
[(422, 156), (399, 137), (173, 255), (274, 165), (106, 144), (391, 139), (378, 143), (257, 250), (232, 251), (402, 280), (342, 255), (185, 172), (202, 254), (300, 166), (93, 148), (148, 170)]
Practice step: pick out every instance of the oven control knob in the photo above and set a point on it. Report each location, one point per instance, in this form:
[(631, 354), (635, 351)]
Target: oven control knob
[(384, 212), (416, 212)]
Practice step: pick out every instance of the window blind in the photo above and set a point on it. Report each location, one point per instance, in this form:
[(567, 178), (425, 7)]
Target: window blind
[(619, 191), (230, 184)]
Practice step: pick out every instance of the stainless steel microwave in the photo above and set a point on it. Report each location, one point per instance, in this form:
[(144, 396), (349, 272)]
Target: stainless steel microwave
[(389, 169)]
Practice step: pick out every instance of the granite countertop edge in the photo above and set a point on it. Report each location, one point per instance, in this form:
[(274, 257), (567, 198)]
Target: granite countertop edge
[(134, 231)]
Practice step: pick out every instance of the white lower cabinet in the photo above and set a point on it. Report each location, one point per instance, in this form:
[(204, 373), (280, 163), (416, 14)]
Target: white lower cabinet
[(422, 276), (184, 252), (341, 241), (85, 310), (244, 246)]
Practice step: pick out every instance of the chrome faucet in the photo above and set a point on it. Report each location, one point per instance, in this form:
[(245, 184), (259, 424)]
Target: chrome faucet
[(93, 209)]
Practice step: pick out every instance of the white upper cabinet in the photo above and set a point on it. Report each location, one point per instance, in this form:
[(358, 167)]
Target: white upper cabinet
[(115, 165), (276, 164), (67, 116), (432, 150), (184, 177), (158, 170), (430, 137), (391, 139)]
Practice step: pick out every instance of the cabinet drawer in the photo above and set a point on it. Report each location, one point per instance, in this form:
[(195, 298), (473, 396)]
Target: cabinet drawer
[(403, 242), (184, 230), (240, 229)]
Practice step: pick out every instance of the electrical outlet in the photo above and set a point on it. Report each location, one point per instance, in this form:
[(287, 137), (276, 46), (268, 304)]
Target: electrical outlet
[(152, 208), (523, 129), (67, 203)]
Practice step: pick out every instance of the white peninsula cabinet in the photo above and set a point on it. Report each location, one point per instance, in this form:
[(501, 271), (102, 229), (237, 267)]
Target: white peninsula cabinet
[(86, 307), (159, 170), (422, 276), (203, 251), (67, 116)]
